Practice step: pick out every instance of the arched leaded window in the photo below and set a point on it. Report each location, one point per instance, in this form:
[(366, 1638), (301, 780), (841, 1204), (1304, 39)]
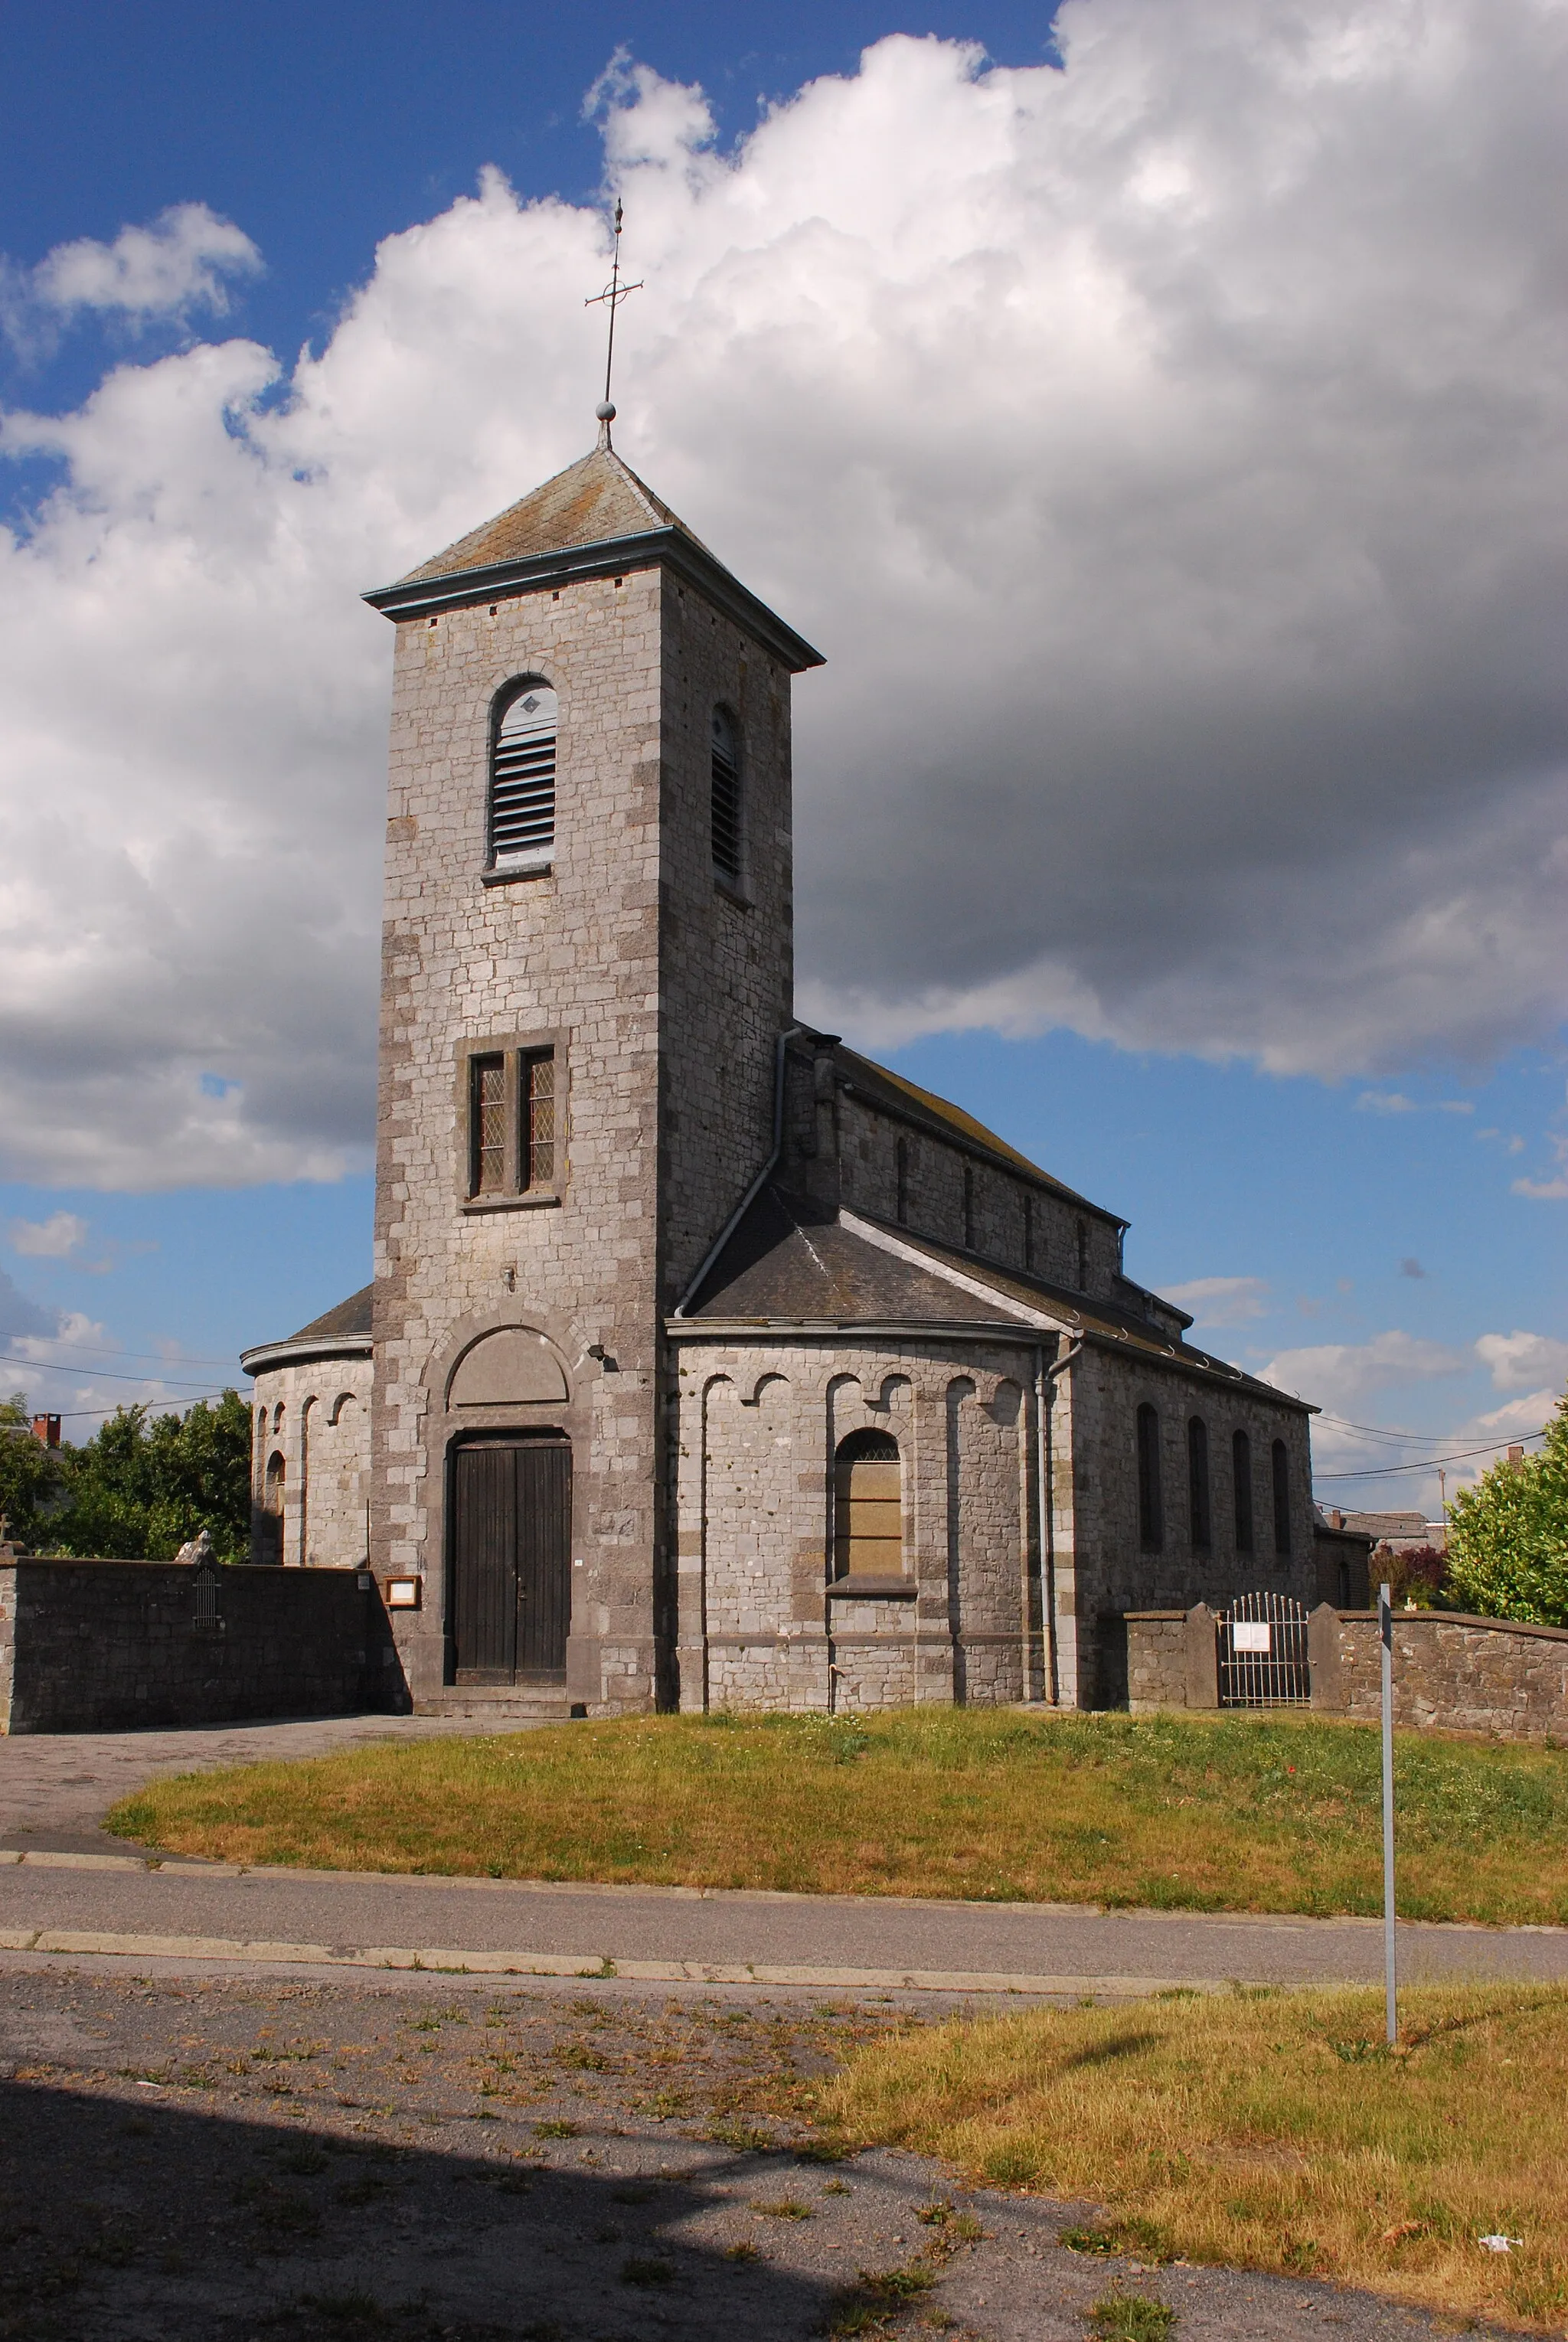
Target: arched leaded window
[(1242, 1484), (725, 797), (1198, 1511), (522, 778), (1151, 1508), (1281, 1479), (868, 1507)]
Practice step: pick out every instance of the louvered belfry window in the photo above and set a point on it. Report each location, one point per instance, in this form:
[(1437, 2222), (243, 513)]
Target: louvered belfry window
[(538, 1131), (523, 781), (726, 798)]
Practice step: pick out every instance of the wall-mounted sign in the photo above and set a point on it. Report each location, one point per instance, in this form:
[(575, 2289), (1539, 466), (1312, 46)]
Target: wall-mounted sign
[(403, 1593)]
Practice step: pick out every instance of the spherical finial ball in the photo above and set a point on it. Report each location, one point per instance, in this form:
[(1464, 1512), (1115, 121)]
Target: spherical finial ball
[(605, 411)]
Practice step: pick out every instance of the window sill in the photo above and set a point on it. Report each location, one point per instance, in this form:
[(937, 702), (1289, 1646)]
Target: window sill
[(510, 878), (873, 1589), (541, 1200), (731, 893)]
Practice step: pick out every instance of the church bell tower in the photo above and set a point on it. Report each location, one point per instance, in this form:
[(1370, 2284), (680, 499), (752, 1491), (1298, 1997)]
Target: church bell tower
[(585, 968)]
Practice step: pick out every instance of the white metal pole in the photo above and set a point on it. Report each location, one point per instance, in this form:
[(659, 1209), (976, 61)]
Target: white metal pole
[(1385, 1636)]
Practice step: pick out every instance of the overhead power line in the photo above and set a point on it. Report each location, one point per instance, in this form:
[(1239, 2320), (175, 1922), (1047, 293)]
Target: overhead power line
[(87, 1350), (94, 1374), (1430, 1463)]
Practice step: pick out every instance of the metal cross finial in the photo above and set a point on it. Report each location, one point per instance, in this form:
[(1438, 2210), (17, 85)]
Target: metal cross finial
[(614, 293)]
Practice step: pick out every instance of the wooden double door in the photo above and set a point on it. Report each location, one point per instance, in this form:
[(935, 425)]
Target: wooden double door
[(510, 1557)]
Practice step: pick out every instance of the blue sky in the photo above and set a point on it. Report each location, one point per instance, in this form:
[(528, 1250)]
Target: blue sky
[(1343, 1139)]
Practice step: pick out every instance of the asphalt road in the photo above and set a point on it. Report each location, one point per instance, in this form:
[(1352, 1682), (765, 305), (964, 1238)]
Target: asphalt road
[(82, 1903), (67, 1889)]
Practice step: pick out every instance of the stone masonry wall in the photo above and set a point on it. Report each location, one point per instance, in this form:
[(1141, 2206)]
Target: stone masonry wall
[(314, 1417), (1157, 1660), (1012, 1221), (110, 1646), (760, 1625), (662, 998), (1458, 1674), (1498, 1676), (1116, 1574)]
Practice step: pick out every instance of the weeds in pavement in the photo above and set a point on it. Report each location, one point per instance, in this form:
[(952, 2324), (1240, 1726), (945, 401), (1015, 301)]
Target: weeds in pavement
[(1237, 2130)]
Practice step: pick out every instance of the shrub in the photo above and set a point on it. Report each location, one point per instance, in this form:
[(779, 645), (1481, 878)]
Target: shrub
[(139, 1488), (1508, 1536)]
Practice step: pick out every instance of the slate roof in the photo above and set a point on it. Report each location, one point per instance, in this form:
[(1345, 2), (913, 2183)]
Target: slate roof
[(348, 1323), (591, 502), (791, 1262), (350, 1316), (594, 517)]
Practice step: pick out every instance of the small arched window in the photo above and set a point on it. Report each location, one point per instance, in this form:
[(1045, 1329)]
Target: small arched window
[(1151, 1509), (522, 778), (1242, 1482), (1198, 1512), (1282, 1477), (725, 797), (868, 1507)]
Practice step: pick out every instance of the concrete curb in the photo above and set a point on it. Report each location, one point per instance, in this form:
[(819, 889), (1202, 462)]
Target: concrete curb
[(66, 1943)]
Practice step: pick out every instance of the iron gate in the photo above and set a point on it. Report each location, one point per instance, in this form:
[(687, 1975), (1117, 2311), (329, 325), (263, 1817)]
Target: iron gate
[(1263, 1652)]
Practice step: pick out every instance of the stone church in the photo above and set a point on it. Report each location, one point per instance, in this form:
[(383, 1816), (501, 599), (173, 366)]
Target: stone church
[(706, 1363)]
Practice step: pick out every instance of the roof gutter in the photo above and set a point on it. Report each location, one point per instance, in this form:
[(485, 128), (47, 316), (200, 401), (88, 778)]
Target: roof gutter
[(669, 548), (267, 1355), (1045, 1379)]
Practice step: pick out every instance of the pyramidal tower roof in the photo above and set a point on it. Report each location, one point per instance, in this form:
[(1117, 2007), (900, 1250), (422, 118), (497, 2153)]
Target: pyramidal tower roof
[(593, 502), (594, 517)]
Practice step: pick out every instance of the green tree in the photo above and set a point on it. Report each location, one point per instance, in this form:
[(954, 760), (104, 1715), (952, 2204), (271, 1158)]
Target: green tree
[(30, 1475), (140, 1488), (1508, 1537)]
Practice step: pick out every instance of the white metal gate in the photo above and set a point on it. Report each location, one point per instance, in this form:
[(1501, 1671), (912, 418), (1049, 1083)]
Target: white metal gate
[(1262, 1644)]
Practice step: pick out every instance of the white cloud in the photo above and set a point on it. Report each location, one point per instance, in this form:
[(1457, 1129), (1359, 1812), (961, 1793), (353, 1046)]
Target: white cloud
[(1551, 1190), (178, 263), (1166, 452), (1386, 1102), (56, 1238), (1221, 1300), (1341, 1377), (1519, 1358)]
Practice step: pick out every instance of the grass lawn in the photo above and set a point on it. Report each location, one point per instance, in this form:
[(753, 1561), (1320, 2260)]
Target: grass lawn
[(1174, 1812), (1264, 2131)]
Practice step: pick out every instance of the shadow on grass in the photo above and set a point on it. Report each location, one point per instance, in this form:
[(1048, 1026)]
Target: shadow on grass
[(151, 2219)]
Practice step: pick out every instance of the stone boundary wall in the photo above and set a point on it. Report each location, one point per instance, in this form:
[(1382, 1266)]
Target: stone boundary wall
[(1452, 1673), (109, 1646)]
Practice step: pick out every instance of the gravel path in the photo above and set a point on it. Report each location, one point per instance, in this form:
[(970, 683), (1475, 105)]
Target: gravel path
[(442, 2160)]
